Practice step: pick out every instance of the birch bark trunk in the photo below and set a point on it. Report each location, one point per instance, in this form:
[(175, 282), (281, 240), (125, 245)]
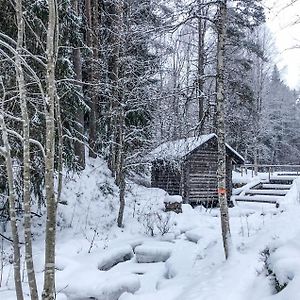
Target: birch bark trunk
[(26, 155), (220, 89), (49, 273), (12, 210)]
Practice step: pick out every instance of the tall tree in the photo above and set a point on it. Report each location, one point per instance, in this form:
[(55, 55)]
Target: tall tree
[(6, 152), (221, 25), (50, 102), (77, 63), (26, 154)]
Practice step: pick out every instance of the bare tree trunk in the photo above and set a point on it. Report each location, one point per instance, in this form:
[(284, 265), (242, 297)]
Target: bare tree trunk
[(12, 210), (220, 89), (114, 10), (122, 182), (90, 41), (26, 156), (52, 35), (202, 24), (120, 176), (116, 160), (79, 145)]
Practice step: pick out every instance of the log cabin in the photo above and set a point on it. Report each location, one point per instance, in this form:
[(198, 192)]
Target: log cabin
[(188, 167)]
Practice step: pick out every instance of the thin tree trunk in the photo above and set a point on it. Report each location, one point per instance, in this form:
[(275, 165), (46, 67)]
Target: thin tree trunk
[(26, 156), (117, 110), (114, 10), (120, 164), (122, 186), (12, 210), (220, 89), (77, 62), (201, 58), (52, 35), (93, 98)]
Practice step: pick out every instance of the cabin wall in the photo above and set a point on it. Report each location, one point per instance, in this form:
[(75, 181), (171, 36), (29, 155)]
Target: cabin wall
[(167, 177), (201, 181), (197, 179)]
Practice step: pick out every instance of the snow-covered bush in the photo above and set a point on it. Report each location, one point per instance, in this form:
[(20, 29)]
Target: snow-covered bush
[(276, 283), (157, 223)]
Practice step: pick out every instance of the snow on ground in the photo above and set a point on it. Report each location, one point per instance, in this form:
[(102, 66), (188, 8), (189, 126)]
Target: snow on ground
[(164, 255)]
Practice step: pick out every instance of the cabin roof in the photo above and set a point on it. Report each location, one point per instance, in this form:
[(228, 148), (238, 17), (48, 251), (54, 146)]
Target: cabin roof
[(178, 149)]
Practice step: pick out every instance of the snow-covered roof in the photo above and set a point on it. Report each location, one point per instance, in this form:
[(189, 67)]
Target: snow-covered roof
[(235, 152), (178, 149)]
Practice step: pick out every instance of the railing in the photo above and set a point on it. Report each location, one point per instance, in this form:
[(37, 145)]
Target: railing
[(255, 169)]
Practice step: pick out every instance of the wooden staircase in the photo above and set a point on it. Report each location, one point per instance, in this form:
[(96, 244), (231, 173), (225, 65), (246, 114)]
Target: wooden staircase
[(271, 191)]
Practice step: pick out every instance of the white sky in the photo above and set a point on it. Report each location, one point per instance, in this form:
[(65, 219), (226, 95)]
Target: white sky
[(280, 20)]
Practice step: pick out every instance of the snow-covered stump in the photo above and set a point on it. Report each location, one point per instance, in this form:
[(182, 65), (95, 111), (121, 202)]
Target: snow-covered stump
[(152, 253), (173, 203), (115, 256)]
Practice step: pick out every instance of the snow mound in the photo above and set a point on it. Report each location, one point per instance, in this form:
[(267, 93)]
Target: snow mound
[(114, 256), (173, 199), (285, 261), (194, 235), (154, 252), (108, 288), (179, 263), (165, 294)]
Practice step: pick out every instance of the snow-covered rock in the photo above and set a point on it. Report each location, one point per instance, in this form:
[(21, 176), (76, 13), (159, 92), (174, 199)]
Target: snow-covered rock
[(154, 252), (114, 256)]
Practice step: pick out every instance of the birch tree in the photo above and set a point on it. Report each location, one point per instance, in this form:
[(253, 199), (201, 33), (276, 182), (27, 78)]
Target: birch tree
[(5, 151), (220, 99), (26, 154), (51, 51)]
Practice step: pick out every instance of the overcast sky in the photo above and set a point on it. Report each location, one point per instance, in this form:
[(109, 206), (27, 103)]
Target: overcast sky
[(280, 20)]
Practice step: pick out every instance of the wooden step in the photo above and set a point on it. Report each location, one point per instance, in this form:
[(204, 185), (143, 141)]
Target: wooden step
[(288, 174), (276, 186), (259, 199), (283, 179), (266, 192)]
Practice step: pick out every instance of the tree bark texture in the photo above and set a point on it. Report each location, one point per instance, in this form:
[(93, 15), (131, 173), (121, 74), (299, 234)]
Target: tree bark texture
[(202, 26), (12, 210), (115, 25), (79, 146), (220, 90), (26, 156), (52, 35), (91, 12)]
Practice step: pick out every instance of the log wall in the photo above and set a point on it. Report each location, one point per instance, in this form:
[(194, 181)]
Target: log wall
[(197, 180), (201, 182), (165, 176)]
